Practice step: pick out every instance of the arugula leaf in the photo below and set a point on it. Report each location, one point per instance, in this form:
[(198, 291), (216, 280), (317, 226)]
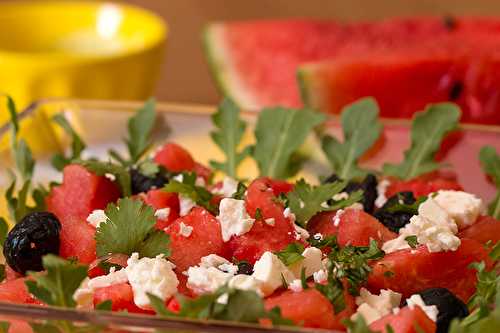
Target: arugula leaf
[(228, 136), (18, 206), (59, 161), (200, 195), (59, 284), (102, 168), (279, 133), (490, 161), (130, 228), (361, 128), (305, 201), (242, 305), (428, 130), (139, 130), (291, 254)]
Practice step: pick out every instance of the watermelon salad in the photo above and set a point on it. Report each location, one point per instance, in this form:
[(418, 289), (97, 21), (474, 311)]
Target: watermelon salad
[(439, 59), (153, 232)]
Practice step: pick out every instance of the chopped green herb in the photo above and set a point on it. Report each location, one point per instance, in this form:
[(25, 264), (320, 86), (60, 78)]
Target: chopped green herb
[(103, 168), (279, 134), (291, 254), (240, 191), (104, 306), (388, 274), (4, 327), (258, 214), (305, 200), (303, 279), (361, 128), (412, 241), (324, 241), (230, 130), (130, 228), (490, 161), (358, 325), (428, 130), (140, 127), (59, 161)]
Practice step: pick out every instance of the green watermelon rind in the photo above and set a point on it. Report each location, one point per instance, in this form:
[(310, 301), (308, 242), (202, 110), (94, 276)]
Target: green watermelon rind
[(226, 78)]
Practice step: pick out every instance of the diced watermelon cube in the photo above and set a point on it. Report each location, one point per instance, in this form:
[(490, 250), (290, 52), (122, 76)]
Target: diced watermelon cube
[(353, 226), (159, 199), (15, 291), (310, 308), (405, 321), (174, 158), (121, 297), (263, 237), (77, 240), (205, 239), (486, 229), (424, 185)]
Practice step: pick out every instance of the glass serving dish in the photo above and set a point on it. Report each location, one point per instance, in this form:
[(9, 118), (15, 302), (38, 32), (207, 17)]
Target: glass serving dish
[(102, 125)]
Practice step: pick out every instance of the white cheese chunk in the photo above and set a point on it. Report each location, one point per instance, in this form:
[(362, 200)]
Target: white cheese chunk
[(245, 282), (320, 276), (229, 187), (233, 218), (300, 233), (185, 230), (337, 217), (150, 275), (287, 213), (270, 271), (96, 218), (373, 307), (464, 208), (83, 296), (213, 260), (213, 272), (432, 226), (382, 187), (295, 286), (312, 262), (162, 213), (185, 205), (270, 221), (430, 310)]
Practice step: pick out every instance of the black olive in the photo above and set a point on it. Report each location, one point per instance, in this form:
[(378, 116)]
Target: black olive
[(245, 267), (449, 306), (456, 90), (392, 217), (36, 235), (368, 186), (142, 183)]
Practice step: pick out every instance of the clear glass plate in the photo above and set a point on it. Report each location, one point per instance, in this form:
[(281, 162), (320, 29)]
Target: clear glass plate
[(103, 125)]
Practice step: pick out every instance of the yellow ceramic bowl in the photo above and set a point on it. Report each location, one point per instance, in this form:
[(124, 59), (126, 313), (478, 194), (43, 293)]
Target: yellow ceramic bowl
[(78, 49)]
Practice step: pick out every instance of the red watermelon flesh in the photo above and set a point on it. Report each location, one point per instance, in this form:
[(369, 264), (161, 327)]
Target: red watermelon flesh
[(121, 297), (15, 291), (404, 63), (405, 321), (159, 199)]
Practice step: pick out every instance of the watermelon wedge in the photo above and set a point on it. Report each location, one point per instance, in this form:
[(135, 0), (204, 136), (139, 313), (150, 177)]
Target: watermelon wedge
[(404, 63)]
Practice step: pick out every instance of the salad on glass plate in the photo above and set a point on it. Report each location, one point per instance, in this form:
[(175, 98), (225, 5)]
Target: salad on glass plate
[(147, 229)]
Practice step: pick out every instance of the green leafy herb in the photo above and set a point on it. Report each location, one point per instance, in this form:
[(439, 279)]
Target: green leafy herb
[(323, 241), (490, 161), (399, 206), (139, 130), (130, 228), (241, 305), (305, 200), (103, 168), (361, 128), (240, 191), (412, 241), (104, 306), (279, 134), (291, 254), (188, 188), (428, 130), (149, 168), (230, 130), (59, 161), (59, 284), (258, 214), (359, 325), (303, 279), (4, 327)]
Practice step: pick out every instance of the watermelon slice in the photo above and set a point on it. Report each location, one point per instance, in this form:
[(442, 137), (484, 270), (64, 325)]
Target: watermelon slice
[(404, 63)]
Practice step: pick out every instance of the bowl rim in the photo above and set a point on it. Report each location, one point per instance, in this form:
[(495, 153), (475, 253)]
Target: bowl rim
[(61, 57)]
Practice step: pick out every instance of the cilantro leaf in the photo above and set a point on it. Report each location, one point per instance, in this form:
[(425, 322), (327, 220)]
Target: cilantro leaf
[(490, 161), (200, 195), (139, 130), (59, 284), (242, 306), (59, 161), (428, 130), (130, 228), (305, 200), (102, 168), (291, 254), (279, 133), (361, 128), (230, 130)]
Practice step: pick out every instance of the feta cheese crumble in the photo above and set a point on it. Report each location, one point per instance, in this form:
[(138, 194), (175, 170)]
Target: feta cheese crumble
[(162, 213), (464, 208), (336, 218), (430, 310), (96, 218), (287, 213), (83, 296), (320, 276), (233, 218), (245, 282), (270, 271), (433, 228), (382, 187), (373, 307), (185, 205), (295, 286), (185, 230), (312, 262), (150, 275), (212, 273), (270, 221), (229, 187), (300, 233)]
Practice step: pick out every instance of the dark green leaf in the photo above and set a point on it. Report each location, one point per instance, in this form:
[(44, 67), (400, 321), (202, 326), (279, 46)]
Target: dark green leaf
[(188, 188), (227, 136), (303, 279), (140, 127), (104, 306), (412, 241), (240, 191), (258, 214), (361, 128), (490, 161), (358, 325), (149, 168), (59, 161), (130, 228), (4, 229), (279, 134), (428, 130), (291, 254), (46, 328)]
